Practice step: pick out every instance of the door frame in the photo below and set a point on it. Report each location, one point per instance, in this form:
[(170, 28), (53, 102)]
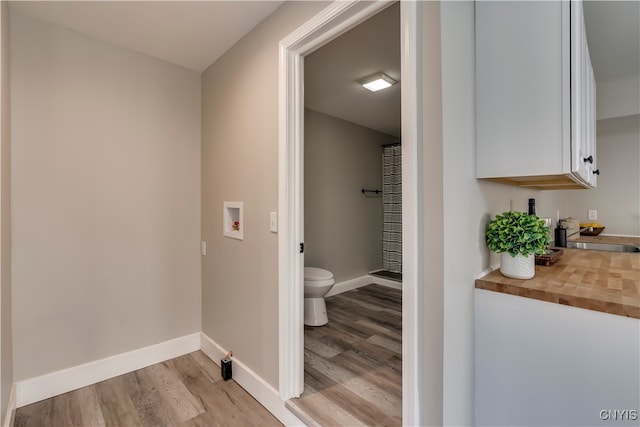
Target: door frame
[(336, 19)]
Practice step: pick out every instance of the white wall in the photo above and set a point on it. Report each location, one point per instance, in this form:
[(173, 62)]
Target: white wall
[(6, 345), (619, 97), (240, 163), (469, 205), (617, 197), (543, 364), (343, 227), (106, 190)]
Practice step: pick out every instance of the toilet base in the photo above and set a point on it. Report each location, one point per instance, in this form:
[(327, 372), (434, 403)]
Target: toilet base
[(315, 312)]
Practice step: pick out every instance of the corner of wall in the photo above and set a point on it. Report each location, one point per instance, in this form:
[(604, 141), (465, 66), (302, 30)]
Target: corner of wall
[(7, 395)]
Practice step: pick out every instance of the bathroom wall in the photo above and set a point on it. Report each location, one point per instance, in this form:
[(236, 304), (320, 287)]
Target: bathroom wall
[(6, 343), (343, 227), (617, 197), (105, 198), (240, 163)]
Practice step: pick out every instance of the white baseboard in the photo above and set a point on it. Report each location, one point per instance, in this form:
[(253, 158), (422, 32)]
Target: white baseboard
[(350, 284), (66, 380), (10, 416), (361, 281), (262, 391)]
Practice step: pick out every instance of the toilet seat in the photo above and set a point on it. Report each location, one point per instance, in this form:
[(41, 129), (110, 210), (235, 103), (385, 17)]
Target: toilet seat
[(317, 277), (315, 273)]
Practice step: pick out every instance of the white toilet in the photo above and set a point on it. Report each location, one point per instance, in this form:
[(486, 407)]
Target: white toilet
[(317, 282)]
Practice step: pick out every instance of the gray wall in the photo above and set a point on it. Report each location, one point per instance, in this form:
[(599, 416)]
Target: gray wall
[(107, 207), (342, 226), (6, 345), (106, 199), (617, 198), (240, 163)]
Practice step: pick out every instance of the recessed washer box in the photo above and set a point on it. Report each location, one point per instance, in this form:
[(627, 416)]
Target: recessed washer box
[(232, 223)]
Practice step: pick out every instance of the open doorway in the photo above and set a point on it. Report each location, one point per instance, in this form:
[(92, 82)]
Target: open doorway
[(353, 228), (332, 22)]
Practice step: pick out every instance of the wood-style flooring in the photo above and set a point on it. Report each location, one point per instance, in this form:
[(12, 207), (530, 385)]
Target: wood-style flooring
[(386, 274), (353, 365), (187, 391)]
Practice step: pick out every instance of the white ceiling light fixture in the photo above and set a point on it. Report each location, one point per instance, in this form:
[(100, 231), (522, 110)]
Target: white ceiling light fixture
[(377, 82)]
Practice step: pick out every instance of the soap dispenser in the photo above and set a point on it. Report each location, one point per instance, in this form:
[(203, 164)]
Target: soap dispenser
[(560, 236)]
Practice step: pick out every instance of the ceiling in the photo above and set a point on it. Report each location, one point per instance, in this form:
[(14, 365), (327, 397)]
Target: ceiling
[(194, 34), (613, 34), (332, 73)]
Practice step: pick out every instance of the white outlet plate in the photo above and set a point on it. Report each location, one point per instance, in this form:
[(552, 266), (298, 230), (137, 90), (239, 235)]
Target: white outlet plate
[(273, 222), (593, 215)]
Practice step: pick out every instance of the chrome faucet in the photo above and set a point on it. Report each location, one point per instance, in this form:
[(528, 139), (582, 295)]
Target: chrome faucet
[(580, 231)]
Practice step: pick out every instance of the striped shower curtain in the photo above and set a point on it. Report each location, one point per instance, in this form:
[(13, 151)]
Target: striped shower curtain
[(392, 208)]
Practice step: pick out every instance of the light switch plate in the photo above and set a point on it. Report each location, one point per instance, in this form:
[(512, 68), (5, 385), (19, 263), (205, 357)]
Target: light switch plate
[(203, 248), (593, 215), (273, 222)]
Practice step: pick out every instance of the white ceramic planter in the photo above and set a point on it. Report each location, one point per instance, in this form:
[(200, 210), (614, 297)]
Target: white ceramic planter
[(518, 267)]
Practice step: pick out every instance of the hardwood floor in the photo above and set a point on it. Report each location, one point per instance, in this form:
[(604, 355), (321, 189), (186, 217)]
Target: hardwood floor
[(386, 274), (353, 365), (187, 391)]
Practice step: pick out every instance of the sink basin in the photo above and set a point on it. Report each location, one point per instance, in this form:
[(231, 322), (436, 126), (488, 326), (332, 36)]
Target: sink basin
[(603, 247)]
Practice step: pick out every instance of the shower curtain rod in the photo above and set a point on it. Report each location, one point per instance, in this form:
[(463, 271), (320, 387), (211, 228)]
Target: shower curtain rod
[(371, 191)]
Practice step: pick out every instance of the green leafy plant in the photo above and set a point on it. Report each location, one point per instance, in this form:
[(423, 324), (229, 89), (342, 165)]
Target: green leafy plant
[(518, 233)]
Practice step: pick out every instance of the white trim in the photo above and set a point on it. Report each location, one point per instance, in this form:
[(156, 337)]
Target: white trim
[(358, 282), (10, 416), (66, 380), (349, 285), (412, 208), (334, 20), (328, 24), (257, 387)]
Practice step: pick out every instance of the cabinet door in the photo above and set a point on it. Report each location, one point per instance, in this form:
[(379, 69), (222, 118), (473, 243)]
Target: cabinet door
[(595, 171), (522, 127), (582, 100)]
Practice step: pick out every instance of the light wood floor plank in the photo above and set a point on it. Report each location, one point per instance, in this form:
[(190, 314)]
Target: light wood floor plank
[(353, 365), (89, 403), (206, 365), (116, 405), (246, 405), (344, 397), (148, 401), (187, 391), (39, 414), (357, 384), (68, 408), (174, 392), (322, 408)]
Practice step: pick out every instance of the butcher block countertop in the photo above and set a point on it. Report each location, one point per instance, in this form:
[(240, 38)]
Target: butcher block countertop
[(595, 280)]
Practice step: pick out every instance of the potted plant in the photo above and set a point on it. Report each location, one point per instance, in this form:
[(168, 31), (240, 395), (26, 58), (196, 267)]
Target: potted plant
[(519, 237)]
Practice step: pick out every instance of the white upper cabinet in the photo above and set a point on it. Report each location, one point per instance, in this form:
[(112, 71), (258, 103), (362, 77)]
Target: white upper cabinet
[(535, 95)]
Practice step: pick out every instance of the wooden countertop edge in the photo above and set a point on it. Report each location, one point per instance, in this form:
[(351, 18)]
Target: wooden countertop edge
[(609, 307)]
